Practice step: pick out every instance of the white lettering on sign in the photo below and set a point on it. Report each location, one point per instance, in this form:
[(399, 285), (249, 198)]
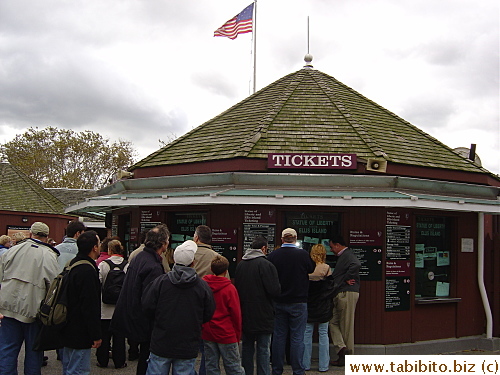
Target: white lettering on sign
[(318, 161)]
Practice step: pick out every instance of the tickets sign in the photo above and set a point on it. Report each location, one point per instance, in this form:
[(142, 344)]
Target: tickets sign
[(312, 161)]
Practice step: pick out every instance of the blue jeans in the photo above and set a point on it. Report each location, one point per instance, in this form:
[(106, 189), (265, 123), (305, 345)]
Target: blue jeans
[(12, 334), (260, 343), (290, 318), (324, 346), (230, 354), (161, 366), (76, 361)]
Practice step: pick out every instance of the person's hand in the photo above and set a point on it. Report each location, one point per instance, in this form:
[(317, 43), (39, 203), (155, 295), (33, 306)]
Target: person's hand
[(1, 317), (97, 344), (351, 282)]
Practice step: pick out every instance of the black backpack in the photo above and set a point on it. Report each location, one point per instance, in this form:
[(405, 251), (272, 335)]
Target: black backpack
[(53, 308), (114, 282)]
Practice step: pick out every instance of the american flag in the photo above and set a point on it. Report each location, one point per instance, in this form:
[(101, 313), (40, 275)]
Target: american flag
[(239, 24)]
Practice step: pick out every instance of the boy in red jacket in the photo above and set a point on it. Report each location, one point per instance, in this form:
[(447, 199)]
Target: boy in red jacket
[(222, 334)]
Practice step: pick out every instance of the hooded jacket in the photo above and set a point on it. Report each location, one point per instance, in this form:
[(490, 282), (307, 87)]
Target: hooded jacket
[(177, 303), (225, 326), (257, 284), (26, 271)]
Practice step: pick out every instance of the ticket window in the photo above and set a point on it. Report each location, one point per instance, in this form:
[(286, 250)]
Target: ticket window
[(183, 224), (314, 228), (433, 256)]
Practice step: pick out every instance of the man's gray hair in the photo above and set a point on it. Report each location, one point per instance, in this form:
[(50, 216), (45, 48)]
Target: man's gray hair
[(157, 237)]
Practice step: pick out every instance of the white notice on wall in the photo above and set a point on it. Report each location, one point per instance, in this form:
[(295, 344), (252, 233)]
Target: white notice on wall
[(467, 245)]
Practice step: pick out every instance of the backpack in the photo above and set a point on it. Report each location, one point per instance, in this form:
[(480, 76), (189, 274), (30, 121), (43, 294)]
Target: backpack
[(54, 307), (114, 282)]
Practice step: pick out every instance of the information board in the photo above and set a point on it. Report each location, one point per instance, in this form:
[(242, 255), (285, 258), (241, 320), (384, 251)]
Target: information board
[(367, 245), (259, 222), (397, 242), (149, 219), (397, 293), (224, 242)]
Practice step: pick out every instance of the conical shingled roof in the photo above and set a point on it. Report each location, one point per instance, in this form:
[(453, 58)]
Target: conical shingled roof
[(303, 112), (21, 193)]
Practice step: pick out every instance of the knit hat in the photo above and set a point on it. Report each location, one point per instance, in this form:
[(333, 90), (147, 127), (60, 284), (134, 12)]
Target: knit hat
[(40, 229), (184, 253)]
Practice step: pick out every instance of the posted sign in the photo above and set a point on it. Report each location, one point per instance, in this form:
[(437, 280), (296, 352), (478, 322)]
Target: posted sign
[(312, 161)]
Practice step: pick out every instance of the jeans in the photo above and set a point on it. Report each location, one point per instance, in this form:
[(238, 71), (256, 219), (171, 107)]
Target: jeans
[(76, 361), (230, 354), (161, 366), (290, 318), (12, 334), (324, 346), (252, 343)]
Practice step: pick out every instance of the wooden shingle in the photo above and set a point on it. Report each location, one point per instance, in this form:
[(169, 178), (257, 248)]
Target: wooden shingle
[(21, 193), (309, 111)]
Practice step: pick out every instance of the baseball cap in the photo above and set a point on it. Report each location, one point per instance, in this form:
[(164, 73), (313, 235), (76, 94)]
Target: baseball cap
[(40, 229), (184, 253), (289, 231)]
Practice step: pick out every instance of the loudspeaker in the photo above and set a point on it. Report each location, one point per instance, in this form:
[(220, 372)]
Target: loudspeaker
[(376, 165)]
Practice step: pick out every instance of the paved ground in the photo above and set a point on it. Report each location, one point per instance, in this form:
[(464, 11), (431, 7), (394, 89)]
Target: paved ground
[(54, 366)]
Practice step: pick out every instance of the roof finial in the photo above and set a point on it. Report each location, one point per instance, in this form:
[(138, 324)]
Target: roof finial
[(308, 57)]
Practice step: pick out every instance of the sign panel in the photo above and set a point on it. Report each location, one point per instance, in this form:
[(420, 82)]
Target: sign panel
[(398, 217), (312, 161), (367, 245), (260, 221), (397, 293), (397, 268), (149, 219), (397, 242), (224, 242)]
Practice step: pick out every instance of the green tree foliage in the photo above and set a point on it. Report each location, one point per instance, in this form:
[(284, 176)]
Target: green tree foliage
[(62, 158)]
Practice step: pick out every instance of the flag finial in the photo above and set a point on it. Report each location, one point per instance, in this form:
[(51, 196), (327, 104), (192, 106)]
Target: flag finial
[(308, 59)]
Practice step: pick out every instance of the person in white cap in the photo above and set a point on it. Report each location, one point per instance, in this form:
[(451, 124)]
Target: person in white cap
[(178, 303), (26, 271), (294, 266)]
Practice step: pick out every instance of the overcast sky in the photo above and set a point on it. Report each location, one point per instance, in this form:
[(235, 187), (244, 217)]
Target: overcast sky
[(145, 70)]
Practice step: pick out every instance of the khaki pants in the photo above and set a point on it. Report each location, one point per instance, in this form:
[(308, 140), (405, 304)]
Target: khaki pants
[(342, 322)]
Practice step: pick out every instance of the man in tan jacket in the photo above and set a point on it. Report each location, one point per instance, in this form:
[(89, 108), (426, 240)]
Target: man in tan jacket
[(204, 255)]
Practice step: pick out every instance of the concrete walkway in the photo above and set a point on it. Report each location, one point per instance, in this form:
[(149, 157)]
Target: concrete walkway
[(477, 346)]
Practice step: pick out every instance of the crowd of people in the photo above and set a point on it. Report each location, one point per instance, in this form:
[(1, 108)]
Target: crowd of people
[(170, 310)]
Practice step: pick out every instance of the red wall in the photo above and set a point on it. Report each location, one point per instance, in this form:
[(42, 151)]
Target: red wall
[(373, 324), (57, 223)]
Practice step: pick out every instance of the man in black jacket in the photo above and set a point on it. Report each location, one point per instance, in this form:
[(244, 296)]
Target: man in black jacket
[(294, 266), (257, 283), (128, 318), (83, 329), (178, 303)]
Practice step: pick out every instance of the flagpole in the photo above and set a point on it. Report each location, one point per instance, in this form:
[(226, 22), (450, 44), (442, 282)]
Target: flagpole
[(254, 44)]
